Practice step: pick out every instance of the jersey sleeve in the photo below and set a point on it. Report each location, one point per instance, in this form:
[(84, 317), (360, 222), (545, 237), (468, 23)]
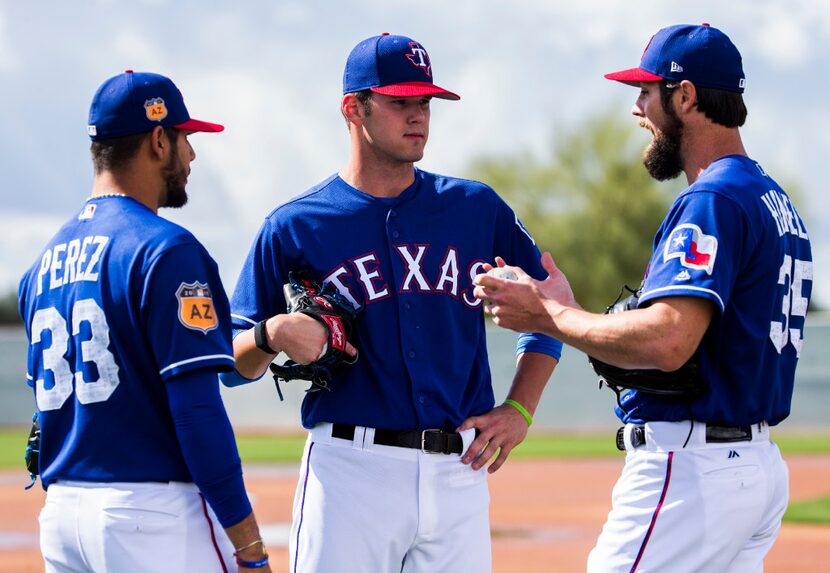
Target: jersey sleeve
[(516, 246), (697, 250), (186, 311), (258, 293)]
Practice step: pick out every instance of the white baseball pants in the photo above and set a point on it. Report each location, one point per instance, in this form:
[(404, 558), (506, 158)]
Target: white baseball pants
[(131, 528), (367, 508), (705, 507)]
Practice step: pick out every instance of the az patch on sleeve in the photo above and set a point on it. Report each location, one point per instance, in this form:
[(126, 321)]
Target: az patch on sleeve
[(694, 248), (196, 306)]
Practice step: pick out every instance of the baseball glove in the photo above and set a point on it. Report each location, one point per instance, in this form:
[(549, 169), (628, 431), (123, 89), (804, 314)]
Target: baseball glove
[(327, 306), (32, 456), (683, 384)]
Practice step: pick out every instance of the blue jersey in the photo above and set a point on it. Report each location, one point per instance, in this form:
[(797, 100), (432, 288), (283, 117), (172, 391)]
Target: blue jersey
[(408, 263), (119, 302), (734, 238)]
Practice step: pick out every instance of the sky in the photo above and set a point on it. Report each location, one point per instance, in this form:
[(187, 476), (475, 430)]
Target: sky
[(271, 72)]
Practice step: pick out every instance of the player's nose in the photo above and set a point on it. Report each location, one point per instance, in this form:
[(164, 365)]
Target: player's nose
[(637, 110)]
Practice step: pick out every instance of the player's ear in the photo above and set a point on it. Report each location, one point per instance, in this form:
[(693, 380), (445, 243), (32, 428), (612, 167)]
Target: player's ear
[(158, 142), (352, 109), (688, 96)]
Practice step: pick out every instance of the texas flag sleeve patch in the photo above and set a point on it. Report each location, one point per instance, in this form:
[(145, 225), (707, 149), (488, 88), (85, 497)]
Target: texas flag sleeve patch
[(694, 248)]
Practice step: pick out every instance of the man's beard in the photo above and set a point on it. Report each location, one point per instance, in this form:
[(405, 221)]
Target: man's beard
[(662, 157), (175, 179)]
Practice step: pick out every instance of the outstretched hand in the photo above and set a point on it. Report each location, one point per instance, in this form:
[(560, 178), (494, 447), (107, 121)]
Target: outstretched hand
[(525, 304)]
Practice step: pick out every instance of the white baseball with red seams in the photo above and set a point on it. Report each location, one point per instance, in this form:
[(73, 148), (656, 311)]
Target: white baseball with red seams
[(503, 273)]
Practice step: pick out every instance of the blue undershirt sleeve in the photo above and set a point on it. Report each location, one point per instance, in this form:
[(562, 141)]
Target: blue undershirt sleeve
[(207, 443), (541, 343), (233, 378)]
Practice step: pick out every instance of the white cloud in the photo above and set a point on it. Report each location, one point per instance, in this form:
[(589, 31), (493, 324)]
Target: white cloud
[(8, 61), (23, 237), (781, 36)]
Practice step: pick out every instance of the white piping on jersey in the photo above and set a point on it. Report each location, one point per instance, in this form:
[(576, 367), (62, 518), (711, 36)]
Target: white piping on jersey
[(245, 318), (197, 359), (29, 376), (680, 287)]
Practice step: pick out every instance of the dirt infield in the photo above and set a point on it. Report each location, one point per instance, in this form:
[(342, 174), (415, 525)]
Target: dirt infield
[(545, 515)]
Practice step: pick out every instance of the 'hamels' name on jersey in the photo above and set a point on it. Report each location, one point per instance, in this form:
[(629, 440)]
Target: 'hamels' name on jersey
[(785, 216), (66, 263), (367, 270)]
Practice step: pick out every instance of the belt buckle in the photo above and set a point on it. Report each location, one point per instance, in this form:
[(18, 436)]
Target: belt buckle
[(637, 437), (424, 441)]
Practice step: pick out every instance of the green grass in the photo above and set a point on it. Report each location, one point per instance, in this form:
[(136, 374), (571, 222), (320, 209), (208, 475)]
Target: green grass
[(274, 448), (288, 448), (12, 447), (815, 511)]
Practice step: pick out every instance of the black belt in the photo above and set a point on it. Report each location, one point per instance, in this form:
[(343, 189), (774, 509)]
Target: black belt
[(714, 435), (428, 441)]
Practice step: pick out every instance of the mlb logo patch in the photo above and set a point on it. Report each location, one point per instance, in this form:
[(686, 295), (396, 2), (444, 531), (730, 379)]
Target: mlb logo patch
[(196, 310), (695, 249), (88, 212)]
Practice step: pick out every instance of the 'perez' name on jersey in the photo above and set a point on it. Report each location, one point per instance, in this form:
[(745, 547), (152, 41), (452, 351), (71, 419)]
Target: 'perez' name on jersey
[(67, 263)]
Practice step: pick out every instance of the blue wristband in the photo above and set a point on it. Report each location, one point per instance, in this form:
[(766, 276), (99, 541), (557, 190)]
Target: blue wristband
[(253, 564)]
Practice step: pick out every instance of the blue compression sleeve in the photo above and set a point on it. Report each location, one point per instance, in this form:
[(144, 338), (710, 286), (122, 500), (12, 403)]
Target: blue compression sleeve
[(234, 378), (541, 343), (207, 443)]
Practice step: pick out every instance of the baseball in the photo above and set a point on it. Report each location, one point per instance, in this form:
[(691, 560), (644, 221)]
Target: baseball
[(503, 273)]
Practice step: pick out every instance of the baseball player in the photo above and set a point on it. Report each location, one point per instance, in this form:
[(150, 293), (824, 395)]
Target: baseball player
[(391, 477), (128, 326), (725, 293)]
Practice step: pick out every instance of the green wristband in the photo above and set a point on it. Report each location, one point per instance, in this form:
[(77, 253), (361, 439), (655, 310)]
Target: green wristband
[(525, 414)]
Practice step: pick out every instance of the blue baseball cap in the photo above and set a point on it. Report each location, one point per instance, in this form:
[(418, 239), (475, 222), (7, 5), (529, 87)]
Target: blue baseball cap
[(394, 66), (701, 54), (136, 102)]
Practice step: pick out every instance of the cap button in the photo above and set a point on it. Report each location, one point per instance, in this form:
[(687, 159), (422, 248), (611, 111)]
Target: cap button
[(705, 24), (128, 71), (384, 33)]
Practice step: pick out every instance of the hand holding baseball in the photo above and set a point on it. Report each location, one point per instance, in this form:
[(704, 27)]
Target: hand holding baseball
[(523, 305), (503, 273)]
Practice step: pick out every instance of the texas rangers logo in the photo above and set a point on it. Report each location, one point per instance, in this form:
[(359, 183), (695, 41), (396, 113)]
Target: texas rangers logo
[(155, 109), (419, 58), (196, 310), (694, 248)]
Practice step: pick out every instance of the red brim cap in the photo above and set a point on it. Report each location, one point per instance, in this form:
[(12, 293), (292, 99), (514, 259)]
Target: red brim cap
[(633, 77), (199, 125), (415, 89)]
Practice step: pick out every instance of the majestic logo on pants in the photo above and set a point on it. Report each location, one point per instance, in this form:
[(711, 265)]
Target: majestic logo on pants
[(196, 310)]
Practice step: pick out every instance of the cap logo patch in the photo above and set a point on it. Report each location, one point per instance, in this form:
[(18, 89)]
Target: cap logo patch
[(91, 130), (742, 83), (196, 310), (419, 58), (694, 248), (675, 67), (155, 109)]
